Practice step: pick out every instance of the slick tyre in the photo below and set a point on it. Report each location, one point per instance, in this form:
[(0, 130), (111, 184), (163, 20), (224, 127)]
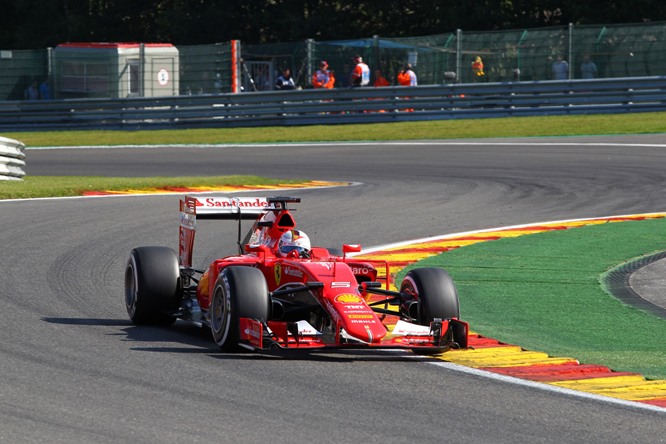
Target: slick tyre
[(435, 291), (240, 292), (152, 282)]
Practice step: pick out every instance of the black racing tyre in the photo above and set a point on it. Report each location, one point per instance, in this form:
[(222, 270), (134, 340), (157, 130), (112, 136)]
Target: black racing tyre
[(152, 285), (435, 291), (240, 292)]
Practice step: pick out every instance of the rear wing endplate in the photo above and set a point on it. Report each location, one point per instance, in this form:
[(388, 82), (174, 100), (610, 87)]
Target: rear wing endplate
[(209, 207)]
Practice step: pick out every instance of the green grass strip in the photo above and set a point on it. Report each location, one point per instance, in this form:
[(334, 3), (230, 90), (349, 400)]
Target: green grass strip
[(597, 124), (59, 186), (543, 292)]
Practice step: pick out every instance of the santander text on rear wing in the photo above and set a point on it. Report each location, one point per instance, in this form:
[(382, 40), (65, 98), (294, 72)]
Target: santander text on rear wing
[(228, 207)]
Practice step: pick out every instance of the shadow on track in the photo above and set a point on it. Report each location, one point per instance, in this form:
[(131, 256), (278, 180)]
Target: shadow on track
[(197, 340)]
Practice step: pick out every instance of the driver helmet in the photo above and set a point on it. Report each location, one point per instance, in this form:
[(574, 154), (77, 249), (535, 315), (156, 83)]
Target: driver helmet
[(294, 240)]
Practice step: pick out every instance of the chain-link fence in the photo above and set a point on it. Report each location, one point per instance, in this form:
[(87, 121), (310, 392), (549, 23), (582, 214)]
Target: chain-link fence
[(19, 70), (573, 52), (205, 69)]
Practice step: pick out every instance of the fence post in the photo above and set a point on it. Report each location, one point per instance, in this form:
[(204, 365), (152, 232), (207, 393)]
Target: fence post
[(459, 36), (570, 59), (310, 58), (235, 66), (142, 69)]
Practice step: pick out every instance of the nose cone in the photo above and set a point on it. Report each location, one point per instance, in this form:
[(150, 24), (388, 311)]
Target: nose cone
[(358, 320)]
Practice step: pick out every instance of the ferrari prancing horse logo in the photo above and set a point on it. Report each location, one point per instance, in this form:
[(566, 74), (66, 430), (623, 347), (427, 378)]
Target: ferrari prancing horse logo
[(278, 273)]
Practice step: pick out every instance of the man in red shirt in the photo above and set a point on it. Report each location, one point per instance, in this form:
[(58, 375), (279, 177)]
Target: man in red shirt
[(380, 80)]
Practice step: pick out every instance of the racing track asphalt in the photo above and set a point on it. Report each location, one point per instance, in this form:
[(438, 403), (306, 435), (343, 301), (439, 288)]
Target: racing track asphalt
[(75, 370)]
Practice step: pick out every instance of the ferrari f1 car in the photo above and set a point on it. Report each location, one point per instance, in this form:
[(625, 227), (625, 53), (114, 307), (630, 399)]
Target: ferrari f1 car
[(277, 294)]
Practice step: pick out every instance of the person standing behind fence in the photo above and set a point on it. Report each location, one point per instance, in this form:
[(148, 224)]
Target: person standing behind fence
[(588, 70), (285, 81), (380, 80), (477, 69), (32, 91), (560, 69), (44, 90), (360, 75), (407, 77), (323, 77)]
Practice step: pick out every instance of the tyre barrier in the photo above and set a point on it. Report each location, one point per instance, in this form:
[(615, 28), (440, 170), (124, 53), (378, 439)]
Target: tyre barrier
[(11, 159)]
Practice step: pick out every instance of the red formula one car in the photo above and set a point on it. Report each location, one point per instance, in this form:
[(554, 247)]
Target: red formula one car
[(280, 292)]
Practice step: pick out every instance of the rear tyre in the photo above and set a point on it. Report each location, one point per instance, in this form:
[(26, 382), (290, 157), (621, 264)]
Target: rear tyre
[(435, 291), (152, 284), (240, 292)]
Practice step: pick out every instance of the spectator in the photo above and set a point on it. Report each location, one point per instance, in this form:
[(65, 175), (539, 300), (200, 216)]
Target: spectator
[(588, 70), (380, 80), (323, 77), (44, 90), (407, 77), (32, 91), (217, 84), (285, 81), (560, 69), (360, 75), (477, 69)]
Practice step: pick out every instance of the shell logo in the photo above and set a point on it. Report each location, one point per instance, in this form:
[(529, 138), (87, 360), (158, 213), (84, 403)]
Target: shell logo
[(348, 298)]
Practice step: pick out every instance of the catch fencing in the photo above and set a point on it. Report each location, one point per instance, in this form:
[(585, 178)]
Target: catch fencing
[(11, 159), (617, 51), (348, 105)]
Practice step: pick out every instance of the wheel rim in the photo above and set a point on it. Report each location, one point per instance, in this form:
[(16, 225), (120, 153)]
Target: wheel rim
[(409, 287), (220, 316)]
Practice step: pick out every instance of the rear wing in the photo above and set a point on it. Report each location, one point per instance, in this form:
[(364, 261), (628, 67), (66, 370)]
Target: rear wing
[(208, 207), (233, 208)]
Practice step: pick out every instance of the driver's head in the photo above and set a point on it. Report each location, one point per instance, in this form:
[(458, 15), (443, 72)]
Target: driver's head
[(294, 240)]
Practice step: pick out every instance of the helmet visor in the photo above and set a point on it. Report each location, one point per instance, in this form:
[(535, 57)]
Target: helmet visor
[(285, 249)]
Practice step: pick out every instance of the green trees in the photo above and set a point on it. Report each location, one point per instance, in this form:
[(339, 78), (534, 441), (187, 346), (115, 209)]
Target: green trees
[(33, 24)]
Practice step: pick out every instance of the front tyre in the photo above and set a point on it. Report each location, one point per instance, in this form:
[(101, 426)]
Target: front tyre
[(152, 281), (435, 292), (240, 292)]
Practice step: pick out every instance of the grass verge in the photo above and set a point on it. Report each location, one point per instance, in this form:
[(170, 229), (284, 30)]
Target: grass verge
[(542, 292), (57, 186), (638, 123)]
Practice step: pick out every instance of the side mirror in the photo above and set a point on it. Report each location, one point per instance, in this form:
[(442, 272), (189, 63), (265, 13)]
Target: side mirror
[(355, 248)]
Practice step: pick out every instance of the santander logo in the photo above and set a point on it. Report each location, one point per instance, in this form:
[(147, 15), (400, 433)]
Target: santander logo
[(223, 202), (254, 202)]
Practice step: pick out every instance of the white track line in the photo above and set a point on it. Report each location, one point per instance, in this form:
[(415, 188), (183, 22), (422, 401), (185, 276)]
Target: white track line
[(365, 143)]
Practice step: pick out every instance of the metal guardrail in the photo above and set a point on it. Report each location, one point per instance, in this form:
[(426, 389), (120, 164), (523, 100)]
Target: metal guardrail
[(337, 106), (11, 159)]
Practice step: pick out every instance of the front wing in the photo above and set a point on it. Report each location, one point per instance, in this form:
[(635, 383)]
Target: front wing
[(442, 335)]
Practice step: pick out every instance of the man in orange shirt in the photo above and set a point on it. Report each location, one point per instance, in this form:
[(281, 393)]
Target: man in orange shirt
[(323, 77), (407, 77)]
